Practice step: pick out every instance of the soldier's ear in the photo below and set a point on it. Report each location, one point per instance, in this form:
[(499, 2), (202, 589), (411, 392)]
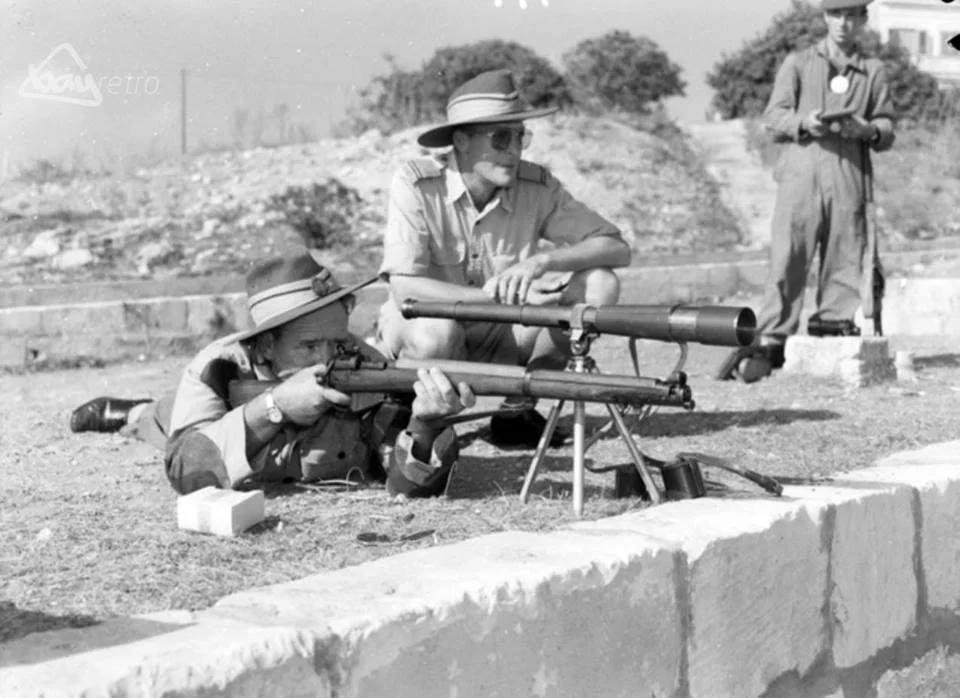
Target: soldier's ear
[(263, 348), (460, 139)]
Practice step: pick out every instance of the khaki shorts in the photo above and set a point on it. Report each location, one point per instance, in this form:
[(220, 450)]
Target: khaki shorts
[(487, 342)]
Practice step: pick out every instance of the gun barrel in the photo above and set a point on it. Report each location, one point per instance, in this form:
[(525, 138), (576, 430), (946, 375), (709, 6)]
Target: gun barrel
[(352, 376), (512, 381), (704, 324)]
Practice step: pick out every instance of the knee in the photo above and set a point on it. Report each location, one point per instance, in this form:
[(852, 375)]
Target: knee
[(430, 338), (600, 286)]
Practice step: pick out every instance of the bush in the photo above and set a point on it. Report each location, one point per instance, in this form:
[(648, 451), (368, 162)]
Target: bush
[(323, 214), (743, 81), (539, 83), (401, 98), (620, 71)]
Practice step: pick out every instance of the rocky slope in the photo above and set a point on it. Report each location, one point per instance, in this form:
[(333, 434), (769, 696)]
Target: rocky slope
[(212, 214)]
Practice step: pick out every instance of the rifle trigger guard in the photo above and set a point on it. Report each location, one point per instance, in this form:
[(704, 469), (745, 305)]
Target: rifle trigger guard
[(682, 361)]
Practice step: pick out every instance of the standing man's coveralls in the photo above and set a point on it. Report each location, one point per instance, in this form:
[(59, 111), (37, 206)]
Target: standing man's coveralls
[(824, 185)]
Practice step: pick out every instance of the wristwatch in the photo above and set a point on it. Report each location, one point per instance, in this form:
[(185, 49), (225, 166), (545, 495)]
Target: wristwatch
[(274, 413)]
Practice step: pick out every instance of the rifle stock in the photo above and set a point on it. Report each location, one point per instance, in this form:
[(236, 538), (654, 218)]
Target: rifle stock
[(361, 375)]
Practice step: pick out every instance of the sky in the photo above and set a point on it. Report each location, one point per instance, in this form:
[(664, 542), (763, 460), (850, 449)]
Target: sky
[(286, 62)]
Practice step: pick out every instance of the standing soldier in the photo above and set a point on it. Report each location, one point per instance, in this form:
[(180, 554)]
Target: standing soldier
[(826, 179)]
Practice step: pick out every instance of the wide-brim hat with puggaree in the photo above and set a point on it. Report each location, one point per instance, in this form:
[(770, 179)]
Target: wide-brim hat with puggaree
[(490, 98), (286, 288), (843, 4)]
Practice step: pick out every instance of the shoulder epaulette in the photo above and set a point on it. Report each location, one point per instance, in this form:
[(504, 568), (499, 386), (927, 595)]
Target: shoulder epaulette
[(424, 168), (532, 173)]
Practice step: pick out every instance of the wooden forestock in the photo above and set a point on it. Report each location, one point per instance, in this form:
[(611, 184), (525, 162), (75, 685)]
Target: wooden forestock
[(364, 376)]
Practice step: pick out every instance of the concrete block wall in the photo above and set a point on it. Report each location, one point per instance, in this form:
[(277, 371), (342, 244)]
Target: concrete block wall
[(817, 593), (110, 330)]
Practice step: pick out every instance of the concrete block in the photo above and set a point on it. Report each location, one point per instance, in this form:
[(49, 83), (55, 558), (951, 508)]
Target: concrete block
[(13, 352), (208, 659), (922, 307), (25, 321), (720, 280), (934, 474), (570, 613), (83, 318), (855, 360), (168, 314), (754, 584), (216, 315), (873, 595), (221, 512)]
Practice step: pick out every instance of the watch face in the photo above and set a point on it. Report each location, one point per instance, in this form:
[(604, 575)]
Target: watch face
[(273, 412)]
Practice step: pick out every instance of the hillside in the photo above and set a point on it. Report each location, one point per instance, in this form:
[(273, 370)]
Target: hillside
[(212, 214)]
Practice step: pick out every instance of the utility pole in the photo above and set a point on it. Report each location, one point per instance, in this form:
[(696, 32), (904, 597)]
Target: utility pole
[(183, 111)]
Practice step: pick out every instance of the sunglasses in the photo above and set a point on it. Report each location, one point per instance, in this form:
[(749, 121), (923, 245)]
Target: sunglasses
[(502, 138)]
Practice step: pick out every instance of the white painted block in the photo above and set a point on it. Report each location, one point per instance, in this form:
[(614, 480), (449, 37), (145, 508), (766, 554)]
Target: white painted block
[(858, 361), (221, 512)]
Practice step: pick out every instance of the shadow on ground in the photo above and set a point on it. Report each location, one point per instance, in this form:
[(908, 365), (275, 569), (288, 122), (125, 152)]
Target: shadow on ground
[(678, 423), (16, 623), (938, 361)]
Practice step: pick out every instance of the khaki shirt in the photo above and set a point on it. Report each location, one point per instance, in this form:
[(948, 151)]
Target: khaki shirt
[(207, 432), (434, 230)]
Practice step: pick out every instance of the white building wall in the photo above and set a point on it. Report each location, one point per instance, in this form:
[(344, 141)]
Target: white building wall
[(939, 21)]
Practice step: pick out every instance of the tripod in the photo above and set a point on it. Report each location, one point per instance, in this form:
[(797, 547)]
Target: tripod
[(581, 362)]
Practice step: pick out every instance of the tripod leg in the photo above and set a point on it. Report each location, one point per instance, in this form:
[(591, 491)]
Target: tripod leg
[(541, 450), (635, 455), (579, 423)]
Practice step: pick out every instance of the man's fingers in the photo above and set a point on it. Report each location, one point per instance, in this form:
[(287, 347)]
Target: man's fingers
[(467, 396), (513, 289), (442, 384), (334, 396), (523, 289)]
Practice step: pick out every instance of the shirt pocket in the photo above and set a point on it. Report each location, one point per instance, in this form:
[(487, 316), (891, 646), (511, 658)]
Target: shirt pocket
[(447, 249)]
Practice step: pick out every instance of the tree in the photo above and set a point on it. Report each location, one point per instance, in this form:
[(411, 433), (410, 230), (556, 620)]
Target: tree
[(743, 81), (401, 98), (620, 71), (539, 82)]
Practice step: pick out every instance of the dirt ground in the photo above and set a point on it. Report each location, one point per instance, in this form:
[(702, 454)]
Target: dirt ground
[(90, 522)]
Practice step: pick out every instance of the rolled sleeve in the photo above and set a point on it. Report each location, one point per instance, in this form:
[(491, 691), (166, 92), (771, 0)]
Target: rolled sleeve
[(570, 221), (406, 240), (206, 436), (780, 116), (408, 475)]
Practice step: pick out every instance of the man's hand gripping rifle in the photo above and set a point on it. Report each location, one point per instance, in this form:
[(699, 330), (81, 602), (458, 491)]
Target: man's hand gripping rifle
[(714, 325)]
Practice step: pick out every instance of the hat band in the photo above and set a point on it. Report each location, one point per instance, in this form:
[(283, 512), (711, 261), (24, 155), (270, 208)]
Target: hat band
[(482, 106), (273, 302)]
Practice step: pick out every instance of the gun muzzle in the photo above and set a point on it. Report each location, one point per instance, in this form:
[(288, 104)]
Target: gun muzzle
[(704, 324)]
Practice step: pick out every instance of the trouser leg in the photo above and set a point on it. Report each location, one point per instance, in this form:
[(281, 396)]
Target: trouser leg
[(797, 219), (153, 423), (838, 289)]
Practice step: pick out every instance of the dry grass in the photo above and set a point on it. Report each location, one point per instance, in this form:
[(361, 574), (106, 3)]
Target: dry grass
[(89, 520)]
